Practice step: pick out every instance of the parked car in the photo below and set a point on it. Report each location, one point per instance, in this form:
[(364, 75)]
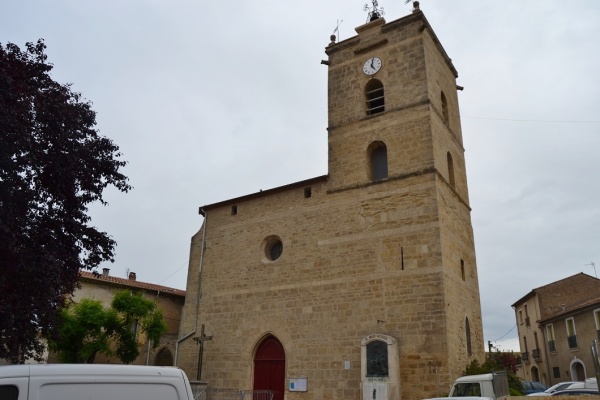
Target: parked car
[(589, 383), (577, 392), (533, 387), (554, 388)]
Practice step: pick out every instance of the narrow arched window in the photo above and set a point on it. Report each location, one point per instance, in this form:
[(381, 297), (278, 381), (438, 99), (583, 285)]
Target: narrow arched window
[(374, 97), (445, 108), (468, 334), (450, 169), (378, 158)]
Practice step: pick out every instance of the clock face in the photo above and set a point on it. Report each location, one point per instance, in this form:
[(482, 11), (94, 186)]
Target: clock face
[(372, 65)]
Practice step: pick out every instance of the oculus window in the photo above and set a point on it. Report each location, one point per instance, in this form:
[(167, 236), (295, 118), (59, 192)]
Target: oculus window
[(272, 247)]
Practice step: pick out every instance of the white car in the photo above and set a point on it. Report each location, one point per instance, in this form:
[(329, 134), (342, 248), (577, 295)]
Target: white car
[(554, 388)]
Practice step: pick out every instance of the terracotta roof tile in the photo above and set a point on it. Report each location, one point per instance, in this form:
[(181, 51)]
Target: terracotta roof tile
[(90, 276)]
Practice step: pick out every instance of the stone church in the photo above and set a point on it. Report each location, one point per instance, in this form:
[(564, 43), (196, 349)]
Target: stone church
[(358, 284)]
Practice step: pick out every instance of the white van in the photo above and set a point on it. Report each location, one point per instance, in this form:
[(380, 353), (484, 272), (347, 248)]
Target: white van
[(493, 385), (93, 382)]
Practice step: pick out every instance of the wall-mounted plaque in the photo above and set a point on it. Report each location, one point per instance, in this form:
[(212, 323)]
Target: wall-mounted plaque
[(298, 384)]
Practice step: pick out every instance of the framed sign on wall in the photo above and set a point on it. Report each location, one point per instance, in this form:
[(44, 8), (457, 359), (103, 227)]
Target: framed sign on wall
[(298, 384)]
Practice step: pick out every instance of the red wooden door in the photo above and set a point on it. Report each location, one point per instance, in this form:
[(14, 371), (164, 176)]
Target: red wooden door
[(269, 367)]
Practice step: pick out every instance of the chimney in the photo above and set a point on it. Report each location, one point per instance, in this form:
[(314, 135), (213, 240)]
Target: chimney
[(105, 271), (132, 276)]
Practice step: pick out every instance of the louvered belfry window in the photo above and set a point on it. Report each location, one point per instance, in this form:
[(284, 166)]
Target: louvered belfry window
[(374, 97)]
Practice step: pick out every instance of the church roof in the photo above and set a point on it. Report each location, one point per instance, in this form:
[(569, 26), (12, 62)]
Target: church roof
[(262, 193)]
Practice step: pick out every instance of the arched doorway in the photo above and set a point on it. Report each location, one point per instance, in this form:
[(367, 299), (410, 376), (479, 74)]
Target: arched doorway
[(577, 370), (164, 358), (269, 367), (535, 375)]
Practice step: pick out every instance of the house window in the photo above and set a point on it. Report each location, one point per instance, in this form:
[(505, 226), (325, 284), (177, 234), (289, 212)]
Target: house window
[(520, 316), (378, 157), (525, 354), (571, 334), (462, 269), (133, 327), (527, 322), (374, 97), (450, 169), (535, 353), (233, 210), (556, 372), (468, 335), (445, 108), (550, 336), (307, 192)]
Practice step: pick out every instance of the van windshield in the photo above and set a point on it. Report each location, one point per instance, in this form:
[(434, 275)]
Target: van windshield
[(466, 389)]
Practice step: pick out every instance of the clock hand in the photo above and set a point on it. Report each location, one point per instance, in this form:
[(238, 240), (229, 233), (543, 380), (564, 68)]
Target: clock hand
[(372, 59)]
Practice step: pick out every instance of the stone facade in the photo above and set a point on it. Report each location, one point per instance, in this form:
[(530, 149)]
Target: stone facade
[(557, 324), (361, 256)]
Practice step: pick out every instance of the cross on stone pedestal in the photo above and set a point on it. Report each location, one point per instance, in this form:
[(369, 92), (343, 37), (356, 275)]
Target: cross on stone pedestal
[(201, 339)]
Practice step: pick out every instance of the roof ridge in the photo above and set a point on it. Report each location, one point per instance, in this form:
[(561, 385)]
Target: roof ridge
[(572, 308), (131, 283)]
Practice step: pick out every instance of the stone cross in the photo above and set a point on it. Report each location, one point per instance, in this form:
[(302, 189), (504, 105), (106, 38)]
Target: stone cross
[(201, 339)]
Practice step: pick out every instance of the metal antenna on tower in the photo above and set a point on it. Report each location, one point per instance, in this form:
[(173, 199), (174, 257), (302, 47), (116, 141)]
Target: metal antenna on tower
[(373, 12), (593, 265), (337, 28)]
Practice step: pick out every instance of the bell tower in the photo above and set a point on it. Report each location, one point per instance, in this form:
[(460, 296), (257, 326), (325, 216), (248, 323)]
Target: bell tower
[(395, 145), (393, 88)]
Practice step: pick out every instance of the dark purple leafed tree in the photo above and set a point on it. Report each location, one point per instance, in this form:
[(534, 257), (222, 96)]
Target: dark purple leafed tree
[(53, 164)]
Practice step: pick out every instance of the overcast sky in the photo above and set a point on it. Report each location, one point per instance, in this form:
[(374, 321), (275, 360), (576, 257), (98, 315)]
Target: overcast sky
[(213, 100)]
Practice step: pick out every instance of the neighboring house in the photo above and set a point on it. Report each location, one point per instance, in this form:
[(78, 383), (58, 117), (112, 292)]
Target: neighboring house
[(363, 281), (169, 300), (557, 324)]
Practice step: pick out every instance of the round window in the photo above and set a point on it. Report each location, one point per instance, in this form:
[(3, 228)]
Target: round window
[(276, 250), (273, 248)]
